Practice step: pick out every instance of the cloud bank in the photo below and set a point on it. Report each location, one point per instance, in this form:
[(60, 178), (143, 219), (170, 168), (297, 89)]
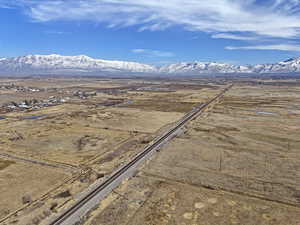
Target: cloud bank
[(245, 20), (280, 47)]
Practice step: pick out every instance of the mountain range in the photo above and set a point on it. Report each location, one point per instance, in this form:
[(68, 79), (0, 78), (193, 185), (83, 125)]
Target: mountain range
[(80, 65)]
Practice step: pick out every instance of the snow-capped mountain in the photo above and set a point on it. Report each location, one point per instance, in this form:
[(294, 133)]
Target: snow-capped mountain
[(61, 65), (203, 67), (288, 66), (68, 64)]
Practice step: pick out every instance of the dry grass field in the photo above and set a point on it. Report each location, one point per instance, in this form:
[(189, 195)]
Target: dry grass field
[(19, 180), (82, 140), (239, 163)]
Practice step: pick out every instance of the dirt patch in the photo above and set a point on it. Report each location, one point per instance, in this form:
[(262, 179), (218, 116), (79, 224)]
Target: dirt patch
[(5, 163)]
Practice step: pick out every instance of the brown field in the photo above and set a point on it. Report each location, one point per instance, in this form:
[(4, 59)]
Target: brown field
[(81, 134), (5, 163), (238, 163), (21, 179)]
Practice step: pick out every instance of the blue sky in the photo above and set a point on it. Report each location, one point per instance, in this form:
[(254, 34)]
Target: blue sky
[(153, 31)]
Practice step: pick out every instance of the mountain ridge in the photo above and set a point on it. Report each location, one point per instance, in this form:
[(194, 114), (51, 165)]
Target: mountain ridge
[(82, 64)]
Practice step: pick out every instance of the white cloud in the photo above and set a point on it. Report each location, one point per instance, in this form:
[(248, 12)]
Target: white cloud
[(234, 37), (155, 53), (281, 47), (279, 19)]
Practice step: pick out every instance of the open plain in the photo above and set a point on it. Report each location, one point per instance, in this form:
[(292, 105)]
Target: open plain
[(238, 163)]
